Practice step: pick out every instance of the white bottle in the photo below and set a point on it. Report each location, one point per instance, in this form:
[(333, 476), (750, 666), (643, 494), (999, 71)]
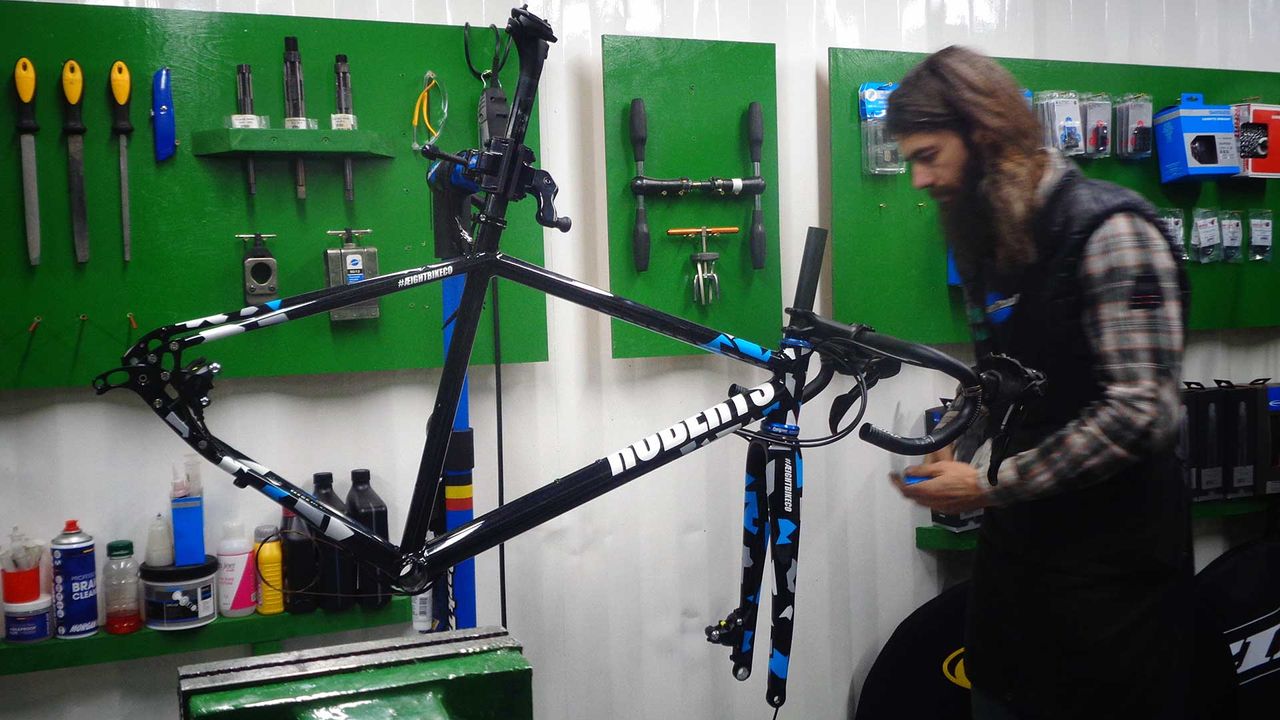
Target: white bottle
[(237, 581), (159, 543), (420, 606)]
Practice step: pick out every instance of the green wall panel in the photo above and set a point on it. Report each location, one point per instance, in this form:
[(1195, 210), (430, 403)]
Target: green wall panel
[(186, 262), (888, 259), (696, 94)]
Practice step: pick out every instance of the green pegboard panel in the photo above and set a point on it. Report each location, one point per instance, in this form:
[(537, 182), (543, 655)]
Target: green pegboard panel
[(186, 262), (888, 257), (696, 94)]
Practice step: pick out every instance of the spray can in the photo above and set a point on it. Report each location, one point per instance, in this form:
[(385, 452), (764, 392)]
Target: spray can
[(75, 583)]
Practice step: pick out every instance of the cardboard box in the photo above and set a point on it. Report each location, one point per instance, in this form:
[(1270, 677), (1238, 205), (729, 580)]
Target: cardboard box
[(1244, 436), (1256, 124), (1195, 140)]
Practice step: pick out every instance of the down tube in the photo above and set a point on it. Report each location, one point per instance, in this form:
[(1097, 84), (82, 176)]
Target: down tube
[(605, 474)]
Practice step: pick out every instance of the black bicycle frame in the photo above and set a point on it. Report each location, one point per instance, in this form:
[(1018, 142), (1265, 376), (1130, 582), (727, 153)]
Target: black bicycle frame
[(178, 393), (416, 558)]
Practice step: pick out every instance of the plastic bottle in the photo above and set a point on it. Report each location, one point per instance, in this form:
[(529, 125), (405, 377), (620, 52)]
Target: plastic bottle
[(187, 509), (121, 580), (421, 613), (300, 566), (75, 582), (364, 505), (159, 543), (237, 581), (268, 561), (337, 568)]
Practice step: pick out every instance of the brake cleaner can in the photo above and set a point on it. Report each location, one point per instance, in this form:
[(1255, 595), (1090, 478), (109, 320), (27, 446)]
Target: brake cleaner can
[(75, 583)]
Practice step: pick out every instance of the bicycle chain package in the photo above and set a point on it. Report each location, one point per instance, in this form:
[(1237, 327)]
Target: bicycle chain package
[(483, 182), (643, 186)]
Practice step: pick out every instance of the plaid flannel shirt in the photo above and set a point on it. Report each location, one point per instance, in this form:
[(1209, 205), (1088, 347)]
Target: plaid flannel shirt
[(1139, 352)]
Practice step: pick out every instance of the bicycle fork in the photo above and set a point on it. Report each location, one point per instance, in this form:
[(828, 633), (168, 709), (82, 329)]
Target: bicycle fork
[(771, 516)]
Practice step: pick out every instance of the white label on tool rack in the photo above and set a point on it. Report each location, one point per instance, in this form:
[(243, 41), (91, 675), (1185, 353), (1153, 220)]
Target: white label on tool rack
[(342, 121), (251, 122), (1173, 226), (295, 123), (1259, 232)]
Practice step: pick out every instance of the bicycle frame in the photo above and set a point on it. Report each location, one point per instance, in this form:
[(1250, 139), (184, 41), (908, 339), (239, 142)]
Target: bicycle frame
[(614, 469), (503, 172)]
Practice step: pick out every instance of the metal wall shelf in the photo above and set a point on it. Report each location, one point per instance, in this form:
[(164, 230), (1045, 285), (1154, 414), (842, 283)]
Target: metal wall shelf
[(232, 142), (263, 632), (936, 538)]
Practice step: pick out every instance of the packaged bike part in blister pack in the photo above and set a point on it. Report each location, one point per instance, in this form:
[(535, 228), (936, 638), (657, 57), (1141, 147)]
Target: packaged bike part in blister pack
[(1232, 224), (880, 153), (1260, 235), (1206, 236), (1132, 126), (1059, 114), (1095, 111), (1174, 222)]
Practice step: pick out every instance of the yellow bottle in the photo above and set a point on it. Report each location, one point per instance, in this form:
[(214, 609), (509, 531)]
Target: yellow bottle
[(269, 560)]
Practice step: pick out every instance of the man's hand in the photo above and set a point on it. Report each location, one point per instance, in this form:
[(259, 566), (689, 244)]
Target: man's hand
[(951, 487)]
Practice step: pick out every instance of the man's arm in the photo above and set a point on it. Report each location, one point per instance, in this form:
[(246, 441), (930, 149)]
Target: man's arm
[(1133, 323)]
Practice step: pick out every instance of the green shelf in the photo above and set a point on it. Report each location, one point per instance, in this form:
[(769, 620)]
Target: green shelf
[(232, 142), (936, 538), (263, 632)]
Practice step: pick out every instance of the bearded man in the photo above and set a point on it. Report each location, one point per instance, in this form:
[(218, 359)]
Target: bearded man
[(1080, 600)]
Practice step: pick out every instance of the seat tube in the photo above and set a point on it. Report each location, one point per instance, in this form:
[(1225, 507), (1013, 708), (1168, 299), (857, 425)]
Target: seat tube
[(440, 425)]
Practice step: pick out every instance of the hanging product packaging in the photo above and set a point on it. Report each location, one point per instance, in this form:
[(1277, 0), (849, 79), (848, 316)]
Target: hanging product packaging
[(1206, 236), (1174, 222), (1059, 115), (1095, 109), (1260, 235), (1232, 224), (1132, 127), (880, 153)]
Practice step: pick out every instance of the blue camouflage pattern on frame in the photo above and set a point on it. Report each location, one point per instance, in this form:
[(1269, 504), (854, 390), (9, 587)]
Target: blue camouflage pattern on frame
[(727, 345), (751, 511), (778, 664)]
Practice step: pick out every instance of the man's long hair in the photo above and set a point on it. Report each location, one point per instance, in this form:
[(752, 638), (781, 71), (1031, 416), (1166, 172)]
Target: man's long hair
[(966, 92)]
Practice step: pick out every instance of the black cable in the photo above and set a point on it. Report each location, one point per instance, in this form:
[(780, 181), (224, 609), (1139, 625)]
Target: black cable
[(819, 441), (497, 390)]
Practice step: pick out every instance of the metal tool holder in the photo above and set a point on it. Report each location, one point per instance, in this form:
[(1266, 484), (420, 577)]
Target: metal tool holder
[(261, 275), (706, 284), (643, 186)]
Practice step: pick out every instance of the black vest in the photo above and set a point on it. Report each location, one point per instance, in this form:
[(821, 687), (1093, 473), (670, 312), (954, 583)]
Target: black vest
[(1074, 592)]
